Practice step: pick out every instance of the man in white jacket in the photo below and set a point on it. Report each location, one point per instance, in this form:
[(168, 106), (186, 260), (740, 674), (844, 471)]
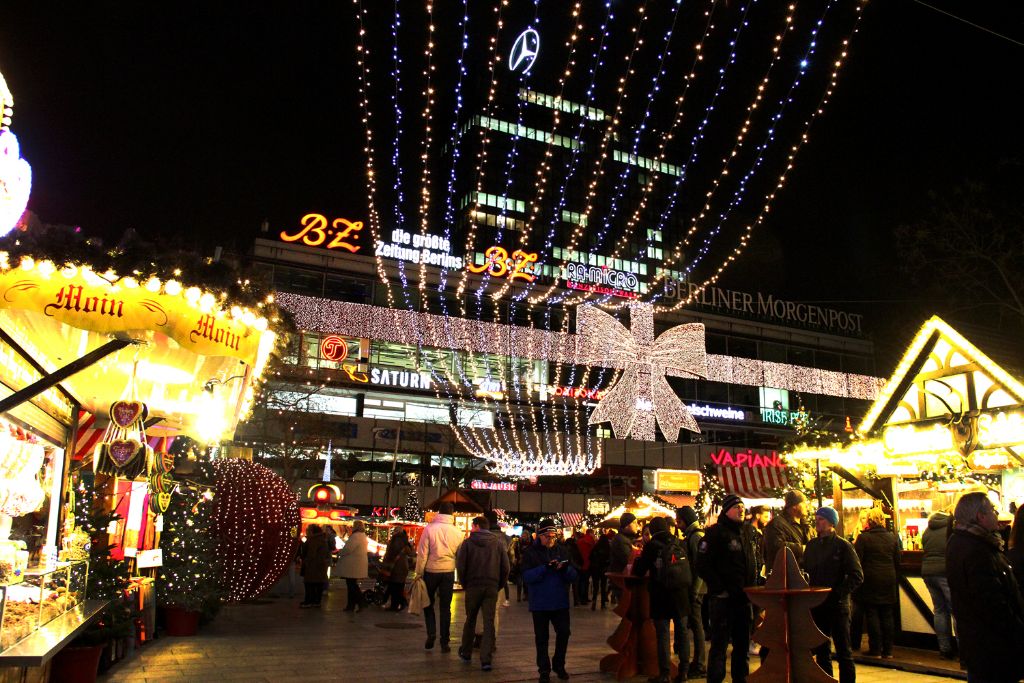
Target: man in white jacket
[(435, 562)]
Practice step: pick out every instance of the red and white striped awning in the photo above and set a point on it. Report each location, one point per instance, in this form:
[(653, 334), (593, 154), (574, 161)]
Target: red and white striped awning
[(572, 519), (752, 482)]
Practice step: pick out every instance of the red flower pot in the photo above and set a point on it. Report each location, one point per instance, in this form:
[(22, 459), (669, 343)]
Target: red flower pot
[(76, 664), (180, 621)]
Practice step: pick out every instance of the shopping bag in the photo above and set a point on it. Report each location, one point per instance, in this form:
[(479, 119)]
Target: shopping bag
[(418, 598)]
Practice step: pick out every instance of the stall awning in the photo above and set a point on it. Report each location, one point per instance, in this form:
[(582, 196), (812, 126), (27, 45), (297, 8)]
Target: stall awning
[(753, 482), (572, 519)]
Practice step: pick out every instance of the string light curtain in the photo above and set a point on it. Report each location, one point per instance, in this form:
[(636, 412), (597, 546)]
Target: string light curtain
[(681, 119)]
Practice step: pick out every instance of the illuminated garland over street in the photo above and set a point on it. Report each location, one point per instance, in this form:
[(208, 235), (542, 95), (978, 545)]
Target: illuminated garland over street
[(657, 98)]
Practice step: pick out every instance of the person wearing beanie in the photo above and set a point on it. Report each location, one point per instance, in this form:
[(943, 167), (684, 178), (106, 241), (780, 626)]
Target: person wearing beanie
[(623, 549), (787, 530), (689, 524), (831, 562), (550, 575), (726, 561)]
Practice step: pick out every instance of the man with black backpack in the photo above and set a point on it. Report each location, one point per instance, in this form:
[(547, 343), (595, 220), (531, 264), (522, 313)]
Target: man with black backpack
[(664, 561)]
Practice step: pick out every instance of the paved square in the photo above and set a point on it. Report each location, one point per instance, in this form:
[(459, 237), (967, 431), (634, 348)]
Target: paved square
[(274, 640)]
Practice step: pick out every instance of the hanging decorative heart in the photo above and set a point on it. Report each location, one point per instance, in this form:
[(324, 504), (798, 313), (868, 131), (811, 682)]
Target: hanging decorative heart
[(126, 414), (159, 503), (167, 461), (123, 451)]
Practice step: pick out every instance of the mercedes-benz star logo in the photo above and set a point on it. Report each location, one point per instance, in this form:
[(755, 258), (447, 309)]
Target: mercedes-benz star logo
[(524, 51)]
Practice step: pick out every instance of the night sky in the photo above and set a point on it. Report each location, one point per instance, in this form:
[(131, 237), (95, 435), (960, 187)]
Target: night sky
[(198, 120)]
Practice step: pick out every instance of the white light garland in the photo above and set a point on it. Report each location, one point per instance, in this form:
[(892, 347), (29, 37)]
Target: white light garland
[(405, 327)]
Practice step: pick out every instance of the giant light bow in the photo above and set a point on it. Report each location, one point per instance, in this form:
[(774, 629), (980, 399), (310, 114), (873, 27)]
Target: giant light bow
[(642, 394)]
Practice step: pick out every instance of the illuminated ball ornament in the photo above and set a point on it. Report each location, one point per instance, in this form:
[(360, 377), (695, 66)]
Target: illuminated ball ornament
[(15, 182), (254, 513)]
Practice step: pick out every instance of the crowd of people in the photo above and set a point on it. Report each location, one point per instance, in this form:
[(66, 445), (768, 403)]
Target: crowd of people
[(697, 580)]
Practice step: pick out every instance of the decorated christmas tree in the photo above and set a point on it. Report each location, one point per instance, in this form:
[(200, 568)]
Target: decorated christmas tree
[(189, 575), (108, 578), (412, 512)]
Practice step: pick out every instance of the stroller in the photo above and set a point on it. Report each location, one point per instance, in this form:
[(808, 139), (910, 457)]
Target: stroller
[(378, 595)]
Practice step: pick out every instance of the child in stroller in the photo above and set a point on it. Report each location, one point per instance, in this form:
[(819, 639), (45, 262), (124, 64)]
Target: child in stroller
[(378, 595)]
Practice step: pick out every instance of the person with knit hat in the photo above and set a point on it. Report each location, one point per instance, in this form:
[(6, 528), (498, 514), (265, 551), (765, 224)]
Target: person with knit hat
[(787, 530), (831, 562), (549, 574), (689, 524), (726, 561), (623, 548)]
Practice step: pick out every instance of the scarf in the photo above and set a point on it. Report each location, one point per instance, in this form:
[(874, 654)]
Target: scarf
[(981, 532)]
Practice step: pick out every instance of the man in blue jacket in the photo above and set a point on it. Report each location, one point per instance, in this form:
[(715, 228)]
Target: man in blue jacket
[(548, 572)]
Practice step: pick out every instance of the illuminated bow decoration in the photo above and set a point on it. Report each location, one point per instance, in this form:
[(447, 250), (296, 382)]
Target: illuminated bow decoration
[(642, 392)]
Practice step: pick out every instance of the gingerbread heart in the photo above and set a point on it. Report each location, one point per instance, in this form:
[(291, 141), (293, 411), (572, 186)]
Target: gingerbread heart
[(159, 503), (167, 461), (123, 451), (126, 414)]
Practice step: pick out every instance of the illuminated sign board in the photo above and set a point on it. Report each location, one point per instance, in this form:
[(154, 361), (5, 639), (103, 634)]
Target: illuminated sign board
[(989, 460), (727, 413), (333, 348), (601, 279), (781, 417), (747, 458), (524, 51), (765, 306), (497, 263), (482, 485), (431, 250), (400, 378), (598, 506), (579, 392), (908, 440), (1002, 429), (676, 480), (316, 229), (489, 388)]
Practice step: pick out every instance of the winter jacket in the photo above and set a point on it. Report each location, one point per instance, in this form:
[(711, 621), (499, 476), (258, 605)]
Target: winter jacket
[(831, 562), (482, 561), (879, 554), (784, 532), (601, 555), (987, 606), (665, 604), (439, 542), (622, 551), (352, 560), (933, 542), (549, 588), (396, 558), (586, 544), (315, 558), (726, 559)]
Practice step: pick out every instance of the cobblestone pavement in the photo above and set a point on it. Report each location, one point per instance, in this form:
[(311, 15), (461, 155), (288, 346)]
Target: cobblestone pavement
[(274, 640)]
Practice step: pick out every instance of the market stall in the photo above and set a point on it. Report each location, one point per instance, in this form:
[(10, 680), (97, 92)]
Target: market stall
[(142, 357), (949, 420)]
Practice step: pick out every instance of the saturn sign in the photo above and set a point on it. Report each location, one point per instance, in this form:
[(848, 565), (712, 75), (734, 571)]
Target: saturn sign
[(524, 51)]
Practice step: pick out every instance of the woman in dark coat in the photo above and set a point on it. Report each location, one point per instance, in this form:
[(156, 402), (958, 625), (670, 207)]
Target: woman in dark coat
[(396, 562), (315, 558), (879, 555)]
